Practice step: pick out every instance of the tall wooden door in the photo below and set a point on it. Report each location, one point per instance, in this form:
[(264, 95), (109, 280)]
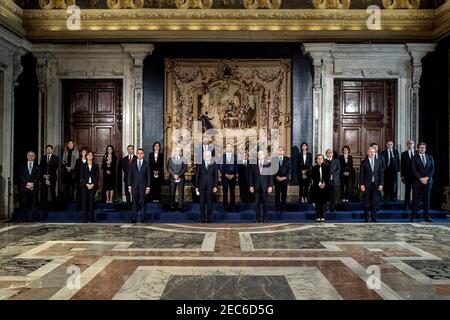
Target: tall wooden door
[(93, 114), (364, 112)]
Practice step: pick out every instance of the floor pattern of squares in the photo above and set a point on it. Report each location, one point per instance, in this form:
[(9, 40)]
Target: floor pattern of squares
[(225, 261)]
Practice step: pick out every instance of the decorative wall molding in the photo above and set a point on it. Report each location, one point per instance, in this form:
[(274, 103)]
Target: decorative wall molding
[(193, 4), (261, 4), (11, 17), (401, 4), (55, 4), (331, 4), (125, 4), (232, 24)]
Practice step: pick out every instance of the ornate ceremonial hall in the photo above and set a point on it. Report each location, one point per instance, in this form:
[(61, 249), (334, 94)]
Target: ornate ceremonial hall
[(139, 139)]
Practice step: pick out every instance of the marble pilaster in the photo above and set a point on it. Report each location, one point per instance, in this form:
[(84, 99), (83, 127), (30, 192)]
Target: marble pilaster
[(12, 48)]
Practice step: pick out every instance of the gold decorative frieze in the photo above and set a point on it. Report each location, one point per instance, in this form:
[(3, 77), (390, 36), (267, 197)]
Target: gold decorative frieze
[(401, 4), (55, 4), (125, 4), (194, 4), (263, 4), (11, 16), (331, 4)]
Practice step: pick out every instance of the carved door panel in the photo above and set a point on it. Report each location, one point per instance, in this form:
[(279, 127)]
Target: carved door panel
[(364, 112), (93, 114)]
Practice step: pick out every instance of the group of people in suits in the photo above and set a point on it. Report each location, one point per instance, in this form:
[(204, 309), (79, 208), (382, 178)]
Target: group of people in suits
[(318, 183)]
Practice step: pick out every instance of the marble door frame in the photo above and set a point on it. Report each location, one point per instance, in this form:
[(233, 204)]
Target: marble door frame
[(12, 48), (401, 62), (56, 62)]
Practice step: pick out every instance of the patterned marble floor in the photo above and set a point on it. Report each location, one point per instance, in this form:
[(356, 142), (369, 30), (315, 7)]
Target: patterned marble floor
[(273, 261)]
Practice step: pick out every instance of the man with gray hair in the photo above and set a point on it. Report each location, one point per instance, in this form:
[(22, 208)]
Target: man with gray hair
[(261, 184), (206, 181), (371, 180), (29, 174), (177, 167)]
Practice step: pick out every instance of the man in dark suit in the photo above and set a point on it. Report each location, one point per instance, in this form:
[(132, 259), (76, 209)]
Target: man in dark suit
[(243, 172), (281, 179), (29, 174), (261, 183), (139, 181), (126, 164), (392, 160), (177, 167), (371, 180), (205, 146), (206, 185), (406, 171), (378, 156), (229, 170), (335, 171), (423, 170), (49, 169)]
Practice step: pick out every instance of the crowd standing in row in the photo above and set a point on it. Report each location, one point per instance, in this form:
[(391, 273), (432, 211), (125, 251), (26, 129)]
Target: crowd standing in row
[(320, 182)]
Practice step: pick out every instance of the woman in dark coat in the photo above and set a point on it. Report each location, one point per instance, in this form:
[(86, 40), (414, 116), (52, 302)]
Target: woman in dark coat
[(78, 164), (89, 184), (320, 187), (109, 166), (347, 172), (304, 165), (156, 160)]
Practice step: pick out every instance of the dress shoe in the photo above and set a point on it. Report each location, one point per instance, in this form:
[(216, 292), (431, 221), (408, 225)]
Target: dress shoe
[(144, 221), (428, 219), (318, 220), (373, 220), (322, 219), (412, 220), (366, 220), (133, 221)]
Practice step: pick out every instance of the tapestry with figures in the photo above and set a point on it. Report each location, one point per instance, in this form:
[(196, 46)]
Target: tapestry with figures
[(217, 96)]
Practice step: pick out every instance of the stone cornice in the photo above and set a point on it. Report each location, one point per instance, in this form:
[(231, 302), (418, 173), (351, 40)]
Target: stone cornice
[(121, 25), (232, 25), (11, 17)]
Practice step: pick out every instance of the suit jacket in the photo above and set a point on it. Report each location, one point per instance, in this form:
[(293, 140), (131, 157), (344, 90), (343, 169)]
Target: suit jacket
[(257, 181), (420, 171), (157, 165), (175, 168), (285, 169), (346, 167), (243, 170), (301, 165), (73, 160), (395, 162), (126, 167), (26, 177), (229, 168), (335, 169), (365, 175), (317, 194), (50, 168), (139, 179), (383, 163), (206, 179), (198, 156), (113, 168), (406, 165), (85, 174)]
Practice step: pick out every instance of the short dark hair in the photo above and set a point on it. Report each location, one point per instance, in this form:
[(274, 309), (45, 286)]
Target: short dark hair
[(130, 145), (140, 149), (422, 144), (346, 147), (89, 151), (373, 144), (49, 146), (319, 155)]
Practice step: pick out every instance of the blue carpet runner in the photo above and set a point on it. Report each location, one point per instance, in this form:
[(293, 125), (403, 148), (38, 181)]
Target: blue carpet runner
[(301, 213)]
